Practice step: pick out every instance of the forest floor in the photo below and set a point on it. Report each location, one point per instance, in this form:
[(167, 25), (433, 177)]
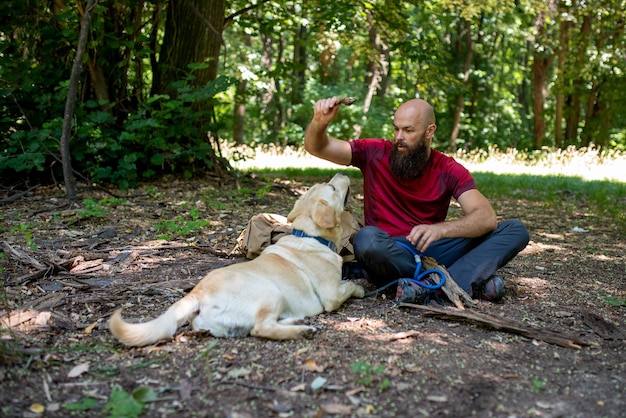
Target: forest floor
[(66, 270)]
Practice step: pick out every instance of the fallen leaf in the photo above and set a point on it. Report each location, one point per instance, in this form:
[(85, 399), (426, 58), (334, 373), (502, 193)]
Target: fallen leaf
[(318, 383), (90, 328), (298, 388), (311, 366), (437, 398), (355, 391), (43, 318), (335, 408), (239, 372), (78, 370), (302, 351), (37, 408)]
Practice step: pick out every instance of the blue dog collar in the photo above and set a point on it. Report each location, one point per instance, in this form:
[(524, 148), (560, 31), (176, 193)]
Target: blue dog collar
[(323, 241)]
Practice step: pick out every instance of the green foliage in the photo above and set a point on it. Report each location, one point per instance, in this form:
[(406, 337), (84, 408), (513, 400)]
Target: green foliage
[(616, 301), (180, 227), (538, 385), (85, 404), (163, 137), (124, 404), (368, 375), (120, 403), (27, 230), (282, 57), (206, 356)]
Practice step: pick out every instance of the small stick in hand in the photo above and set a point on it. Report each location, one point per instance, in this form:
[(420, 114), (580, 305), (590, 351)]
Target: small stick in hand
[(346, 101)]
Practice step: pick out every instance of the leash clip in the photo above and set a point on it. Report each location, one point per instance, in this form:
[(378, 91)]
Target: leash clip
[(418, 259)]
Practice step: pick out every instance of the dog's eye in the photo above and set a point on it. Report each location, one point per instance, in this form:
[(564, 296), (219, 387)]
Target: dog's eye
[(331, 185)]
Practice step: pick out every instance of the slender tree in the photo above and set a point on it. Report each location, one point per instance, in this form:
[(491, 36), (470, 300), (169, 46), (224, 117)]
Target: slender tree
[(77, 68)]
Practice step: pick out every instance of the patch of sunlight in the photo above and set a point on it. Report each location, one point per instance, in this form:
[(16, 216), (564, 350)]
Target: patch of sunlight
[(552, 236), (534, 285), (588, 163), (498, 346), (359, 324), (539, 247)]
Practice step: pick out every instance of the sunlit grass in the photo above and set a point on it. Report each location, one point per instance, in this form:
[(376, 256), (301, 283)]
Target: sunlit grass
[(604, 198)]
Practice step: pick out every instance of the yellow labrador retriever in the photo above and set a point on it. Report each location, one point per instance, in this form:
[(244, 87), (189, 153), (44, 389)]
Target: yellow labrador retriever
[(267, 297)]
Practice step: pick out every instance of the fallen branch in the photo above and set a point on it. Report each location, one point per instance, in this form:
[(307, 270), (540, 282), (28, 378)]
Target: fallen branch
[(502, 324), (22, 256), (16, 196)]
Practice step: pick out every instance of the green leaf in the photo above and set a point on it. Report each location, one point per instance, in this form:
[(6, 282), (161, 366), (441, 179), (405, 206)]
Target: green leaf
[(84, 405), (122, 404), (198, 65), (144, 394), (157, 159)]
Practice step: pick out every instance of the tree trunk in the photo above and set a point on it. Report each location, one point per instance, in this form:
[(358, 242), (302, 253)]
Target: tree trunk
[(539, 70), (591, 119), (573, 113), (240, 113), (299, 65), (540, 66), (563, 75), (77, 68), (374, 77), (468, 48), (193, 34), (239, 108)]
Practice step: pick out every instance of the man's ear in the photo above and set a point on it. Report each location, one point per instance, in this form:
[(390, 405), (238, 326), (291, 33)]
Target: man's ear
[(324, 215), (430, 131)]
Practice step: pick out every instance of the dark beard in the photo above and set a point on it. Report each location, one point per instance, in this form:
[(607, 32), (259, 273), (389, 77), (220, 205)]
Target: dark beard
[(408, 165)]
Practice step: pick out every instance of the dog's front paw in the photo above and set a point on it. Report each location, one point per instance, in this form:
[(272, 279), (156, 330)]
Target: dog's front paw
[(309, 333), (359, 292)]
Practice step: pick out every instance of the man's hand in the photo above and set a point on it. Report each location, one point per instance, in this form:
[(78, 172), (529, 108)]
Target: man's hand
[(478, 220), (317, 142), (423, 235), (325, 110)]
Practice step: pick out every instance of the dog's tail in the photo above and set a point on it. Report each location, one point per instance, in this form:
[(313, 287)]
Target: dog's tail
[(160, 328)]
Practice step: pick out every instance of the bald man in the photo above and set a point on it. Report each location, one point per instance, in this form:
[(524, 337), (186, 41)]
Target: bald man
[(407, 191)]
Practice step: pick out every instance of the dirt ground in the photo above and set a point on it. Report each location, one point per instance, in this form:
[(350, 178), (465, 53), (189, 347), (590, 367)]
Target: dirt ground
[(66, 270)]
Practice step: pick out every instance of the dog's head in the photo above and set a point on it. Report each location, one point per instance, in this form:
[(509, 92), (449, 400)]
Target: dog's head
[(318, 212)]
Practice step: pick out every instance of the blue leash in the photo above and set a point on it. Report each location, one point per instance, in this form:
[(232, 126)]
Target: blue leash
[(417, 276)]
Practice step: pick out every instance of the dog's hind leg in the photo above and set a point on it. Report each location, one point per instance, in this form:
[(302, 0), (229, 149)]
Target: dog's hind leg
[(269, 326), (278, 331)]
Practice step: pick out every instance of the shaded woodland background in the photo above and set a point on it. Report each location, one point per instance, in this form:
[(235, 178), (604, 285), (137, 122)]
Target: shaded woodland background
[(165, 83)]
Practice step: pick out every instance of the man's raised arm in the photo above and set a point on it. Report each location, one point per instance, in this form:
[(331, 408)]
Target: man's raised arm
[(317, 141)]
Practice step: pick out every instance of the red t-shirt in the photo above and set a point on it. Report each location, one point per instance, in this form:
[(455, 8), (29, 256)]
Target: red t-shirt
[(396, 206)]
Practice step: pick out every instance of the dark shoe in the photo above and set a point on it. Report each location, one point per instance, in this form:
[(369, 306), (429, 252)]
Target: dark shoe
[(353, 271), (492, 290), (411, 292)]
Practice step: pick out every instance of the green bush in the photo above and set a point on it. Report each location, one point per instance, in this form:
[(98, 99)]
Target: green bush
[(166, 135)]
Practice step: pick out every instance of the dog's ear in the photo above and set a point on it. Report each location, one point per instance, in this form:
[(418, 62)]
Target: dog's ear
[(297, 208), (324, 215), (301, 203)]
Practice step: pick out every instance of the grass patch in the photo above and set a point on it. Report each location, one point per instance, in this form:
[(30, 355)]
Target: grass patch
[(305, 172), (604, 198)]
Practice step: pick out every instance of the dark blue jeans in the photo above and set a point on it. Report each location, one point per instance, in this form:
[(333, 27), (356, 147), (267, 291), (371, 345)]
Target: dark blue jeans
[(470, 261)]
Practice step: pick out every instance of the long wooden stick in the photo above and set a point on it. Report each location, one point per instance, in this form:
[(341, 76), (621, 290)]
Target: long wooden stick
[(502, 324)]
